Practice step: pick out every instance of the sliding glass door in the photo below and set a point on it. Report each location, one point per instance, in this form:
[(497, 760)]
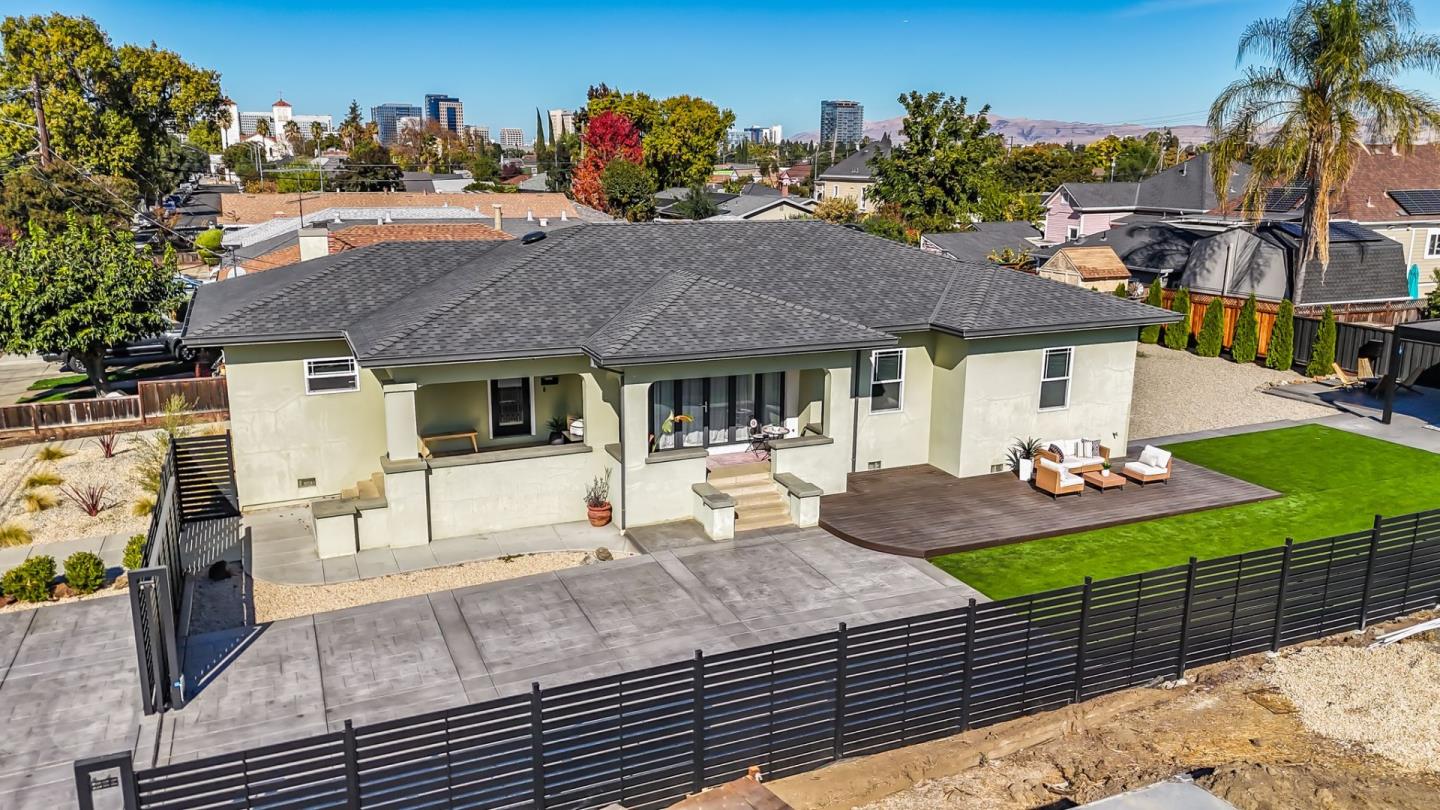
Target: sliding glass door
[(713, 411)]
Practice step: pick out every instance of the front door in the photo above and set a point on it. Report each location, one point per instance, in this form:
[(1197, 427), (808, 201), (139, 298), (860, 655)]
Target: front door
[(510, 407), (713, 411)]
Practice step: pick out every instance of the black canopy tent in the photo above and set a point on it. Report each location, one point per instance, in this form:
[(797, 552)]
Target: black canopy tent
[(1422, 332)]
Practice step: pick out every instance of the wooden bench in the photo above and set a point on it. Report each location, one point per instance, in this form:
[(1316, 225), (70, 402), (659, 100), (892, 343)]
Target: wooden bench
[(472, 435)]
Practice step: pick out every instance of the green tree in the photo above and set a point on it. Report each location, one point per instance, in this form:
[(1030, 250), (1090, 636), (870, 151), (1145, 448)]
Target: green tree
[(1329, 86), (1280, 354), (293, 137), (696, 204), (109, 110), (680, 150), (205, 136), (352, 126), (82, 290), (1432, 301), (244, 159), (640, 109), (1322, 354), (947, 160), (1155, 298), (1246, 344), (45, 197), (839, 210), (1177, 335), (369, 168), (208, 245), (629, 191), (1122, 290), (262, 127), (1212, 330)]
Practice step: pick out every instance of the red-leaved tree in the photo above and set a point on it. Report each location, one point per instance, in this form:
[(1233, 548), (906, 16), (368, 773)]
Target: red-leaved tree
[(608, 136)]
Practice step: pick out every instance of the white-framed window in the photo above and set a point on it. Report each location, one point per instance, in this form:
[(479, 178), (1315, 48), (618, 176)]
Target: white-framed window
[(1432, 244), (887, 380), (331, 375), (1072, 232), (1055, 379)]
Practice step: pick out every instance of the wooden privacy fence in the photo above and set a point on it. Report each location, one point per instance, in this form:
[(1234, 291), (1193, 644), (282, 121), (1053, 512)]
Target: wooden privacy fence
[(648, 738), (202, 395)]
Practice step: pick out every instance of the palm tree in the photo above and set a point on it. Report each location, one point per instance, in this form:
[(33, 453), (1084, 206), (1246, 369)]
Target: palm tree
[(1330, 78), (317, 131), (293, 136), (262, 127)]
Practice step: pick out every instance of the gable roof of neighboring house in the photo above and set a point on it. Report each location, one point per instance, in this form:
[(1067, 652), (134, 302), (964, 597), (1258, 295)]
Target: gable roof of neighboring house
[(856, 168), (1093, 263), (748, 206), (653, 292), (986, 238), (1184, 188), (431, 182), (1144, 245), (284, 249), (248, 209), (1388, 185)]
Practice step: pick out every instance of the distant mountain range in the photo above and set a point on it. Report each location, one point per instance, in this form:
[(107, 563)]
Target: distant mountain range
[(1023, 131)]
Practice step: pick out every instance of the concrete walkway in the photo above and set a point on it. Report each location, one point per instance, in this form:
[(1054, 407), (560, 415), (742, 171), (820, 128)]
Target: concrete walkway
[(282, 549), (254, 686)]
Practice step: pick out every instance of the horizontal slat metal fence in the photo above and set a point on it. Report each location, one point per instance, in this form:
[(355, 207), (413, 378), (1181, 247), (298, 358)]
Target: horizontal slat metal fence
[(647, 738)]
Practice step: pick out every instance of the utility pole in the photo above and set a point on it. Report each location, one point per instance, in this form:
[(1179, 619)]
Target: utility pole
[(44, 131)]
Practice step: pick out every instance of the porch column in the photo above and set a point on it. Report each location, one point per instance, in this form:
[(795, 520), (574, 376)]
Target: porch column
[(402, 434)]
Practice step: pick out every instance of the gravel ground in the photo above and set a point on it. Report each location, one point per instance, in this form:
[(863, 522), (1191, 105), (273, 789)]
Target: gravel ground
[(1178, 392), (1385, 700), (86, 466), (274, 602)]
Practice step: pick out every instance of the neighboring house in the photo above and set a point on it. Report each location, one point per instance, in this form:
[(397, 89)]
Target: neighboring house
[(1367, 271), (1148, 247), (1094, 268), (867, 354), (795, 175), (767, 208), (983, 239), (431, 183), (1080, 209), (851, 178), (252, 209)]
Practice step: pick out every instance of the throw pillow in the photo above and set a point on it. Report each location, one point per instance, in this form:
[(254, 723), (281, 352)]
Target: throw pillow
[(1059, 454), (1092, 448)]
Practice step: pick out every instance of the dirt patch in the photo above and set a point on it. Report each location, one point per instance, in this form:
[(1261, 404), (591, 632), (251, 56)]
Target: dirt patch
[(1232, 727), (1179, 392), (85, 467)]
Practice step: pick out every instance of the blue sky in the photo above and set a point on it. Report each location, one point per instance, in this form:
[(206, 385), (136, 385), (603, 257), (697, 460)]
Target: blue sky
[(1105, 61)]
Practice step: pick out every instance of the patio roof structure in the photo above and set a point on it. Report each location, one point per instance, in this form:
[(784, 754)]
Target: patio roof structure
[(922, 511), (1421, 332)]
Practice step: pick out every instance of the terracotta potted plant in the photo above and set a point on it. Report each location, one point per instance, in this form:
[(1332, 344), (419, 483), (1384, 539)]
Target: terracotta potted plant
[(597, 499)]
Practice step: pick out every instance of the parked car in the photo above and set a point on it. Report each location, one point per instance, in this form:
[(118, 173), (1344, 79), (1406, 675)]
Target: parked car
[(164, 344)]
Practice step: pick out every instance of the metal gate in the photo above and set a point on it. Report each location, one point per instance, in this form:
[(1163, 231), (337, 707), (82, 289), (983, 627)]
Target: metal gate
[(157, 649)]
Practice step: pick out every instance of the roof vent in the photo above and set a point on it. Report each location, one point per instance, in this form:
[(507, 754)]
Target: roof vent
[(532, 237)]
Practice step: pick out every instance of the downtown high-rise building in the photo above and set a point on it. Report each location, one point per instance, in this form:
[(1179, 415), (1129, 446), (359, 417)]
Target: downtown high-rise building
[(445, 110), (512, 138), (561, 122), (387, 119), (841, 122)]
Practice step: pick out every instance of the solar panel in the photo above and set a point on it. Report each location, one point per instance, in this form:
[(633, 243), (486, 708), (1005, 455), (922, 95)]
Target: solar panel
[(1418, 200), (1339, 232), (1284, 198)]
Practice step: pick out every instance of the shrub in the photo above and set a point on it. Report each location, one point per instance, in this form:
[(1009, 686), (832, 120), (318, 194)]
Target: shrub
[(30, 581), (12, 535), (52, 452), (151, 448), (107, 443), (1281, 354), (1246, 344), (1122, 290), (85, 571), (134, 553), (1177, 335), (144, 507), (38, 501), (1155, 298), (91, 499), (208, 245), (43, 479), (1212, 330), (1322, 354)]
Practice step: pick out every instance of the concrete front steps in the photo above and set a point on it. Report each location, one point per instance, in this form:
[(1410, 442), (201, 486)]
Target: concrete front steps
[(367, 491), (758, 502)]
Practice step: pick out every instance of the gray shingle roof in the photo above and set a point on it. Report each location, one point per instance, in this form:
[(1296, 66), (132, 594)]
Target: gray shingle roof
[(857, 166), (1185, 187), (988, 237), (630, 293)]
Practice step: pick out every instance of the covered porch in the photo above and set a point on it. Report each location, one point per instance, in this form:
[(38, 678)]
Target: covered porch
[(922, 511)]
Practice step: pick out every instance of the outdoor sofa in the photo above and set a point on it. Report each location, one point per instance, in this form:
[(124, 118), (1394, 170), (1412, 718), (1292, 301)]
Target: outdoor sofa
[(1073, 456), (1151, 466), (1052, 478)]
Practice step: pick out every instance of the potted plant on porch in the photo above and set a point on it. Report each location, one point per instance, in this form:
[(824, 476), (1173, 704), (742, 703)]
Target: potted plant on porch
[(597, 499), (557, 425), (1021, 457)]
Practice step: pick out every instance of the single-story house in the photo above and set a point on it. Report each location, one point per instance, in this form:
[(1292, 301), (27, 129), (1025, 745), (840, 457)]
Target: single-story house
[(852, 177), (1080, 209), (455, 388), (983, 239), (1094, 268)]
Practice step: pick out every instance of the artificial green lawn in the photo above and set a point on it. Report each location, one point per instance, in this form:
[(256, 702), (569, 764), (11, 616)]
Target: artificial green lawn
[(1332, 482)]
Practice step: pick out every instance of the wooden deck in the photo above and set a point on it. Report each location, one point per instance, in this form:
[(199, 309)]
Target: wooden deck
[(921, 511)]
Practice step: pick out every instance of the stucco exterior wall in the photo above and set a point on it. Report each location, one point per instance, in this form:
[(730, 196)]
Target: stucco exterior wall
[(474, 498), (897, 438), (947, 409), (459, 406), (1002, 394), (283, 435)]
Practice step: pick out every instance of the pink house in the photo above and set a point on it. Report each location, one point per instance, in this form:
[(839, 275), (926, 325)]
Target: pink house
[(1080, 209)]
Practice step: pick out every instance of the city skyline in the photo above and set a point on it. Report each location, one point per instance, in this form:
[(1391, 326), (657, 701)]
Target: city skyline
[(1178, 55)]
